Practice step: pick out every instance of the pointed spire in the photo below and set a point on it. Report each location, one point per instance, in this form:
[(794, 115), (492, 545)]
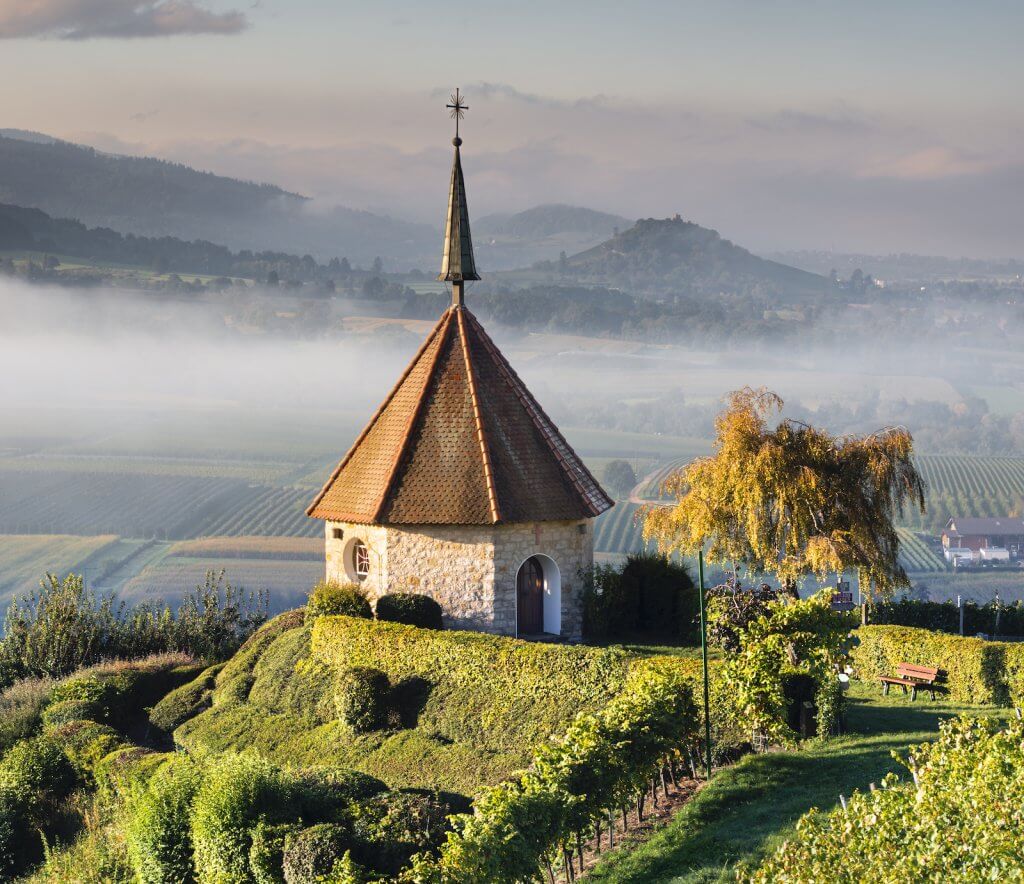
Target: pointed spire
[(457, 264)]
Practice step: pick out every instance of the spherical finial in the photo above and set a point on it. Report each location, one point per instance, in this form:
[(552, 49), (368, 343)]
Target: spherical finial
[(457, 141)]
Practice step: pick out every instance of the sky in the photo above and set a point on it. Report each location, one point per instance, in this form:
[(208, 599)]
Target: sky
[(853, 126)]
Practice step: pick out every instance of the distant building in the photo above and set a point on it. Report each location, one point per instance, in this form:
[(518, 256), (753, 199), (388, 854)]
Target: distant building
[(982, 537), (461, 487)]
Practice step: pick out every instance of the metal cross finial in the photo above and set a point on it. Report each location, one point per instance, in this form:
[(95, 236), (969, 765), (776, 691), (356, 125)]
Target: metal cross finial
[(457, 108)]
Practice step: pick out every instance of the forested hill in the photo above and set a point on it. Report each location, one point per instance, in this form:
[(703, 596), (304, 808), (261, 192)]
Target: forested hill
[(680, 257), (152, 197)]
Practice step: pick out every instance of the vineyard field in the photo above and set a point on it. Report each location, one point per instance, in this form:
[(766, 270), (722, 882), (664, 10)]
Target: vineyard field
[(168, 507)]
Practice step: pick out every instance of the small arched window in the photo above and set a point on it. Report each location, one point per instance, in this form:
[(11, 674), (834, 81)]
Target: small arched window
[(360, 559)]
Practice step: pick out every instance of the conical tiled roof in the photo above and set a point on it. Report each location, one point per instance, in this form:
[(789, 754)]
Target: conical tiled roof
[(457, 263), (459, 441)]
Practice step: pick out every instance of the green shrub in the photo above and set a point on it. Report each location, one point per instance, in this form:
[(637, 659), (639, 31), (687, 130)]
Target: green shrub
[(390, 828), (236, 793), (991, 618), (266, 856), (85, 743), (410, 608), (122, 771), (159, 828), (36, 768), (648, 594), (312, 853), (235, 680), (327, 793), (330, 597), (958, 820), (65, 626), (361, 698), (976, 671), (21, 706), (19, 845), (186, 701), (73, 710)]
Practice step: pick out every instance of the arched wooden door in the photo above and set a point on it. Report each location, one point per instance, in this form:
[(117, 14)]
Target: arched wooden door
[(530, 598)]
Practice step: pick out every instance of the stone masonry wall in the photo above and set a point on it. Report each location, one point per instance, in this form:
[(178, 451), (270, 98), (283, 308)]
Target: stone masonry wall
[(469, 570)]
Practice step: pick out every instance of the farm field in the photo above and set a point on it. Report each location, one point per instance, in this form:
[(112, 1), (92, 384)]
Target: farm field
[(26, 558)]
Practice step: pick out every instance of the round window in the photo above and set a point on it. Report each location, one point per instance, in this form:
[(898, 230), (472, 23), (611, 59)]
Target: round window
[(360, 559)]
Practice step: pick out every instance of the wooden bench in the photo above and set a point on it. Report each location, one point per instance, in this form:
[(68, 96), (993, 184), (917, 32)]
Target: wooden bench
[(909, 675)]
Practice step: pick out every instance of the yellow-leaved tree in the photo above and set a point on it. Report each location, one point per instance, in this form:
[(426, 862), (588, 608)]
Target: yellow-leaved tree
[(793, 500)]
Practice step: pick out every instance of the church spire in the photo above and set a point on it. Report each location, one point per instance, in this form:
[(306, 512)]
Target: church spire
[(457, 264)]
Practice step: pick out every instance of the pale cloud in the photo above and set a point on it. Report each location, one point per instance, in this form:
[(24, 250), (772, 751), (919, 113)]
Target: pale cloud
[(928, 164), (86, 19)]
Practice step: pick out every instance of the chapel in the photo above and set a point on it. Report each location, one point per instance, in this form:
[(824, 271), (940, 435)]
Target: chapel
[(460, 487)]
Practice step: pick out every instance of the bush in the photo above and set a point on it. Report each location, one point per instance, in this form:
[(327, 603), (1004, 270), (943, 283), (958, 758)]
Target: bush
[(18, 844), (65, 626), (120, 772), (236, 793), (311, 854), (327, 793), (73, 710), (330, 597), (649, 594), (361, 698), (185, 702), (85, 743), (990, 619), (391, 828), (976, 671), (266, 856), (960, 820), (731, 608), (158, 832), (411, 609), (21, 706), (36, 768)]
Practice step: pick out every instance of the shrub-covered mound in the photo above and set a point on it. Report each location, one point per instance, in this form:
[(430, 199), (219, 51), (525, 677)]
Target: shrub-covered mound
[(958, 818), (463, 709)]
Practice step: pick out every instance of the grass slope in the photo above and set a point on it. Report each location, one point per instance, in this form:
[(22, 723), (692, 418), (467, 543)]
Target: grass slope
[(750, 807)]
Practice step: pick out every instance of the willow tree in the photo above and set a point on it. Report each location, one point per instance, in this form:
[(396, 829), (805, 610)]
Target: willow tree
[(793, 500)]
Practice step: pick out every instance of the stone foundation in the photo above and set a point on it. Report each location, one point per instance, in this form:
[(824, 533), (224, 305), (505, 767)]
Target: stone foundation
[(470, 570)]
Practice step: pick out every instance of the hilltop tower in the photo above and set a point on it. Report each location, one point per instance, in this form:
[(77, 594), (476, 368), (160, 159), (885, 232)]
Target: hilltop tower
[(461, 487)]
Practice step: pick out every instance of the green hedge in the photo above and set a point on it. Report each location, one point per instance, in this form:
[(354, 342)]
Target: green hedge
[(990, 619), (410, 608), (361, 697), (329, 598), (495, 693), (184, 702), (976, 671)]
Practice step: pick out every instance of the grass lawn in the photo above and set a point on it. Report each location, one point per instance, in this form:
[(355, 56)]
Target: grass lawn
[(749, 808)]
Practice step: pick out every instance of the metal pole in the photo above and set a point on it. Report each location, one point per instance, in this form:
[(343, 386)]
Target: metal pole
[(704, 658)]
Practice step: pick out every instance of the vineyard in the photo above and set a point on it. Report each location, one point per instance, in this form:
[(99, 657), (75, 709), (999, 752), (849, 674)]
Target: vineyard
[(168, 507)]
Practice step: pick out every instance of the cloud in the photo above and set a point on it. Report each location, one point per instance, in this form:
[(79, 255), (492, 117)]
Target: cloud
[(929, 164), (87, 19), (843, 120)]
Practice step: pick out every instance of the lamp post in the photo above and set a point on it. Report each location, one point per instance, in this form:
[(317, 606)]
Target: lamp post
[(704, 658)]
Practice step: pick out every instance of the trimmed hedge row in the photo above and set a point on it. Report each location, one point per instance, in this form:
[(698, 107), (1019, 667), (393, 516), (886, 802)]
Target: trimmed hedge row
[(977, 671), (945, 616)]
